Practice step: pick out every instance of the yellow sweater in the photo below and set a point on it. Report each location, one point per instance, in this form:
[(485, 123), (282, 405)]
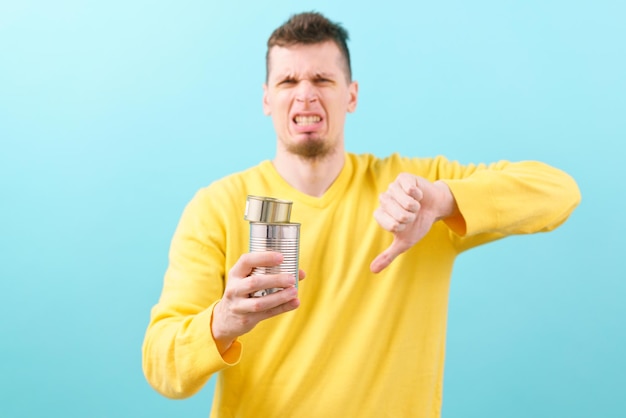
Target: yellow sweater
[(360, 345)]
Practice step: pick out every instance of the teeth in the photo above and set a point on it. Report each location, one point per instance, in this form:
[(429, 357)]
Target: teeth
[(307, 120)]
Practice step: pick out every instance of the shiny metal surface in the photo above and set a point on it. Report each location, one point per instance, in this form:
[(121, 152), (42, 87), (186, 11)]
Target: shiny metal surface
[(267, 209)]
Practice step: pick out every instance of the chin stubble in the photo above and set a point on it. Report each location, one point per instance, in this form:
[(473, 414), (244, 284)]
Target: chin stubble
[(313, 149)]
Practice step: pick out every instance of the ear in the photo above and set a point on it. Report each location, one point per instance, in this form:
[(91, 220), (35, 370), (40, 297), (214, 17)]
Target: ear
[(266, 101), (353, 94)]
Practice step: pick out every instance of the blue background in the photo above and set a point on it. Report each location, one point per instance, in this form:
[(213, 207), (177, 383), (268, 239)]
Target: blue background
[(112, 114)]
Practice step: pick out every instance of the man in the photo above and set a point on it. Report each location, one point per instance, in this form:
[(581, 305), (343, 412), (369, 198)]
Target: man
[(364, 334)]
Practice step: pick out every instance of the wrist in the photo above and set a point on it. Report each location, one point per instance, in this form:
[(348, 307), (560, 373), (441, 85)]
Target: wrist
[(222, 341), (447, 203)]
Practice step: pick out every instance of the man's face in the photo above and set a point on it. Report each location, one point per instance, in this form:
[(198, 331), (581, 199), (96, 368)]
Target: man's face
[(308, 95)]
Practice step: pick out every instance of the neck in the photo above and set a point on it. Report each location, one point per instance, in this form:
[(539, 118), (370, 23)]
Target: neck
[(312, 176)]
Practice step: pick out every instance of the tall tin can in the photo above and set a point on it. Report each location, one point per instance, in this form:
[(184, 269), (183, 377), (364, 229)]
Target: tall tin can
[(280, 237), (271, 230)]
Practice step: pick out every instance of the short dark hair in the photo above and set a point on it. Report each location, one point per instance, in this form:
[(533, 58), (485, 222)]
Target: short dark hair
[(309, 28)]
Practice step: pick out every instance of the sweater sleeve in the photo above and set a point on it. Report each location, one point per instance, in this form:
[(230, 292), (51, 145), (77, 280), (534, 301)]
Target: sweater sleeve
[(506, 198), (179, 352)]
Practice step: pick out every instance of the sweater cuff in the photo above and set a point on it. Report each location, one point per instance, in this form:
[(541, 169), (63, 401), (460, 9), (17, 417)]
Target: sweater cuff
[(232, 356), (476, 214)]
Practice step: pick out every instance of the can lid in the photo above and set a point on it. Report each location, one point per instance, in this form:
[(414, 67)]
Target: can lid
[(267, 209)]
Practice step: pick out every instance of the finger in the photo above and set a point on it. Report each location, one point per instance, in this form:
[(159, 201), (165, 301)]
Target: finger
[(398, 211), (388, 222), (259, 282), (408, 190), (386, 257), (247, 262), (269, 302), (285, 307), (397, 196), (381, 262), (277, 310)]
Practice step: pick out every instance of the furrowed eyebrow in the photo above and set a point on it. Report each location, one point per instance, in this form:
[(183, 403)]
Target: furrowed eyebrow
[(325, 75), (287, 77), (283, 80)]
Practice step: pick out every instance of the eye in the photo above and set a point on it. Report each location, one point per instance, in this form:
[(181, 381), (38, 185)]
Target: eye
[(322, 80), (287, 81)]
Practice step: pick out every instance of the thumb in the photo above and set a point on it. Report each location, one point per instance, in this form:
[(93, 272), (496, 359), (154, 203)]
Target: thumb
[(386, 257)]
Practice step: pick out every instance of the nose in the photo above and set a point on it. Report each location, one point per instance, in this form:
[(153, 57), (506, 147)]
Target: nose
[(306, 92)]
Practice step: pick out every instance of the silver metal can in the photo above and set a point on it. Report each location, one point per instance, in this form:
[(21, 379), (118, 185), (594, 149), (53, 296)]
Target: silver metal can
[(280, 237)]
